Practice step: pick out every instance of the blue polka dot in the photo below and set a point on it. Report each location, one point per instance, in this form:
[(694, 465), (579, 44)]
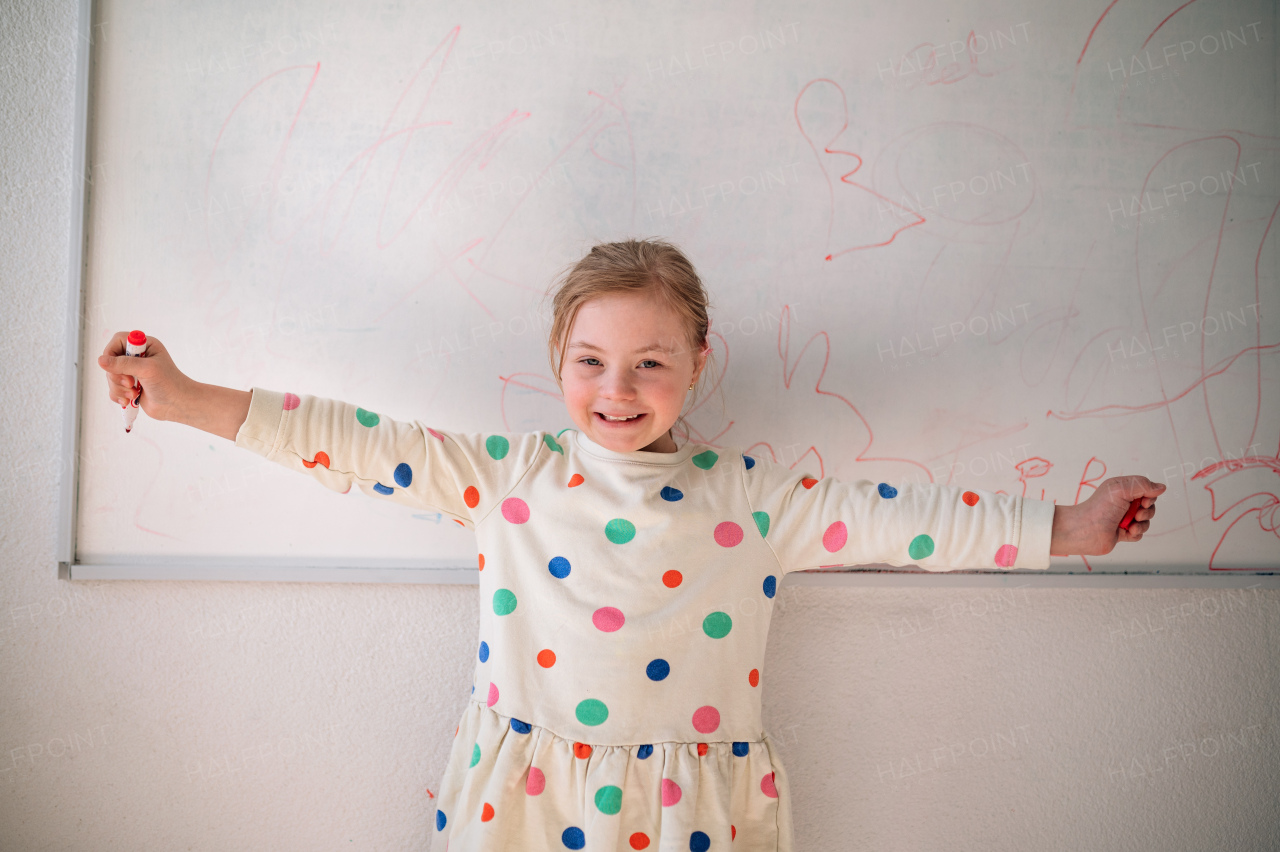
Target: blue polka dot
[(382, 489), (741, 749), (658, 669), (441, 819), (770, 586), (559, 567), (644, 751), (484, 652), (750, 461), (473, 689), (886, 490), (670, 494), (520, 727), (699, 842), (403, 475), (573, 838)]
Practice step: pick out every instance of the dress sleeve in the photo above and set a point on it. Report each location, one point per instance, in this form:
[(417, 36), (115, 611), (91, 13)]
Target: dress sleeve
[(822, 523), (463, 476)]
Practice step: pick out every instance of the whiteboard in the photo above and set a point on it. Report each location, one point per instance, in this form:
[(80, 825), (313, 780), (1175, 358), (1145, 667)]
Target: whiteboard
[(1015, 247)]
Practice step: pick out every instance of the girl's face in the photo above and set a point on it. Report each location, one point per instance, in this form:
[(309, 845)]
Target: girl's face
[(627, 355)]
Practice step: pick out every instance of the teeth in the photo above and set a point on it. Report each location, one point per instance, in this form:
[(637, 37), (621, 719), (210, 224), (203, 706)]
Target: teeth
[(619, 419)]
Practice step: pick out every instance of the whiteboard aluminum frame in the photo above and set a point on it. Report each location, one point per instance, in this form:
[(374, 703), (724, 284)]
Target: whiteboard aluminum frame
[(321, 570)]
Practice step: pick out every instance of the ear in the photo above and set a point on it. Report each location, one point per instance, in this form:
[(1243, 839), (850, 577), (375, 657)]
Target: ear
[(700, 362)]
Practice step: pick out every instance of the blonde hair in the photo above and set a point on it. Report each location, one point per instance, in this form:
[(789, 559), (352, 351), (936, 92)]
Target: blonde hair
[(654, 267)]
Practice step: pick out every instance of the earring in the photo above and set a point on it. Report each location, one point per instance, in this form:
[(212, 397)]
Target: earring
[(690, 387)]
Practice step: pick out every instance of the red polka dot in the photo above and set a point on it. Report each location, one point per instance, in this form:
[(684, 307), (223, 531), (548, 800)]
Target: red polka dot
[(808, 482), (471, 496), (728, 534), (515, 510), (321, 458), (487, 813), (608, 619), (754, 677), (733, 832), (706, 719), (575, 480), (546, 658), (581, 750), (639, 840), (969, 498), (672, 578), (458, 522), (537, 781), (768, 787), (835, 536), (291, 401), (481, 561), (702, 749)]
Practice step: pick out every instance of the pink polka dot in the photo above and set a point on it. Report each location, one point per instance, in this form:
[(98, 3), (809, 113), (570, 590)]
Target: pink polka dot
[(835, 536), (768, 787), (608, 618), (670, 792), (515, 510), (291, 401), (436, 434), (706, 719), (728, 534), (1006, 556), (493, 693), (537, 781)]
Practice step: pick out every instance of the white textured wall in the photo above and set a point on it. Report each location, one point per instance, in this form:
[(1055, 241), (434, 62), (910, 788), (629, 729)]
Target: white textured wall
[(247, 716)]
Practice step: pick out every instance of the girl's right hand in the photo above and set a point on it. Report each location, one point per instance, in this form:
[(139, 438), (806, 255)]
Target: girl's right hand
[(164, 387)]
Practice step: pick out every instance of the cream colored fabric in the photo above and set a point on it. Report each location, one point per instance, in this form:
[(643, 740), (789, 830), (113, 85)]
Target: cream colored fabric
[(625, 601)]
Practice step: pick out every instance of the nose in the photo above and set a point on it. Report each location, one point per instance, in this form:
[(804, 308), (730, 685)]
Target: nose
[(618, 384)]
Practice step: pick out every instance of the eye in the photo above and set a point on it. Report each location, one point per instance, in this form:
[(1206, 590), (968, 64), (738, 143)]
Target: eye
[(585, 360), (651, 361)]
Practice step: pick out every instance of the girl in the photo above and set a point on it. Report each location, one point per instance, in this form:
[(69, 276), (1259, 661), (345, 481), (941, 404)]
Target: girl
[(626, 579)]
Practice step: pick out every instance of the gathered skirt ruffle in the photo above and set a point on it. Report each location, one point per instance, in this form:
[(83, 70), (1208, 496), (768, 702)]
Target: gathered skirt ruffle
[(513, 785)]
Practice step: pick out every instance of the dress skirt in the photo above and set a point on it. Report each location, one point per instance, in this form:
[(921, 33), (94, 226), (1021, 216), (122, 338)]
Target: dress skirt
[(513, 785)]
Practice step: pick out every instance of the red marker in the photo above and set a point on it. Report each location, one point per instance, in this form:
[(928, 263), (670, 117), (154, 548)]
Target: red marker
[(1128, 516), (137, 345)]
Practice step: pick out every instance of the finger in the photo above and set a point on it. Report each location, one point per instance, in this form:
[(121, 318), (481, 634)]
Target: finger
[(115, 346)]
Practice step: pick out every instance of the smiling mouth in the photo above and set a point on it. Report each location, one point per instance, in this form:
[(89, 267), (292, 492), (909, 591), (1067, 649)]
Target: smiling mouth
[(631, 419)]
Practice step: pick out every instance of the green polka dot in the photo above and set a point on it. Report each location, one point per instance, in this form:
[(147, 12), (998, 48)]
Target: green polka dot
[(762, 522), (504, 602), (591, 711), (497, 446), (705, 459), (475, 754), (620, 531), (609, 799), (366, 418), (717, 625), (551, 442), (921, 546)]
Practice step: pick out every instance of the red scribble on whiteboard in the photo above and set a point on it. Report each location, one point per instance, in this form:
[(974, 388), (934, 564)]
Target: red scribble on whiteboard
[(789, 367), (934, 74), (1032, 468), (859, 205), (1236, 482)]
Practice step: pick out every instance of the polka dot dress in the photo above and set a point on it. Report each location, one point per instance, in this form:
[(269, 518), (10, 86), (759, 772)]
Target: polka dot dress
[(625, 601)]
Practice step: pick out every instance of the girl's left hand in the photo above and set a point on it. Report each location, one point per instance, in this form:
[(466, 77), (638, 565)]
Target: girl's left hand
[(1092, 528)]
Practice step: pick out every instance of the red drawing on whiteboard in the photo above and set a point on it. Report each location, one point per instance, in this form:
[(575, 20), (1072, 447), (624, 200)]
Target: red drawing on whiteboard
[(859, 208)]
